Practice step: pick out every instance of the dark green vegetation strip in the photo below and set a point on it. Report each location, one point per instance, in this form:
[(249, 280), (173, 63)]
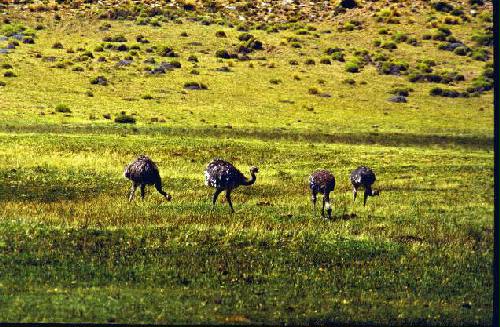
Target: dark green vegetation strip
[(386, 138)]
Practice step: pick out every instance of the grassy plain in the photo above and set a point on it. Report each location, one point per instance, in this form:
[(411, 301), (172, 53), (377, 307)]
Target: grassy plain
[(73, 249)]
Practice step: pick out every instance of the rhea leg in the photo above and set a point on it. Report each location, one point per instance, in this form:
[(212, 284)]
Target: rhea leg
[(228, 198), (160, 190), (143, 190), (132, 192), (354, 192), (328, 206), (323, 208), (366, 195), (313, 199), (216, 194)]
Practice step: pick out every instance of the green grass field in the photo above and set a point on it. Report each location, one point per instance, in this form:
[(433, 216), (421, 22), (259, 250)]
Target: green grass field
[(73, 249)]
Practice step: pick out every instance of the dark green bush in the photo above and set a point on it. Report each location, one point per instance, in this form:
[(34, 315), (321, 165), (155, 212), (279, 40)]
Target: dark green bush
[(352, 67), (220, 34), (125, 119), (61, 107), (222, 53)]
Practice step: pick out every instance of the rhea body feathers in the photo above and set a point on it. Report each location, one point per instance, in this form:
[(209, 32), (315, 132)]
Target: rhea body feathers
[(143, 171), (363, 177), (323, 182), (223, 176)]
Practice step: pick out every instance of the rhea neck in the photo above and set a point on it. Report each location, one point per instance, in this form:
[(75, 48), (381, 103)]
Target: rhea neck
[(251, 180)]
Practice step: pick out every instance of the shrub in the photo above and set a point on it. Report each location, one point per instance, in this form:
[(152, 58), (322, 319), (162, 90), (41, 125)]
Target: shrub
[(57, 45), (481, 38), (9, 73), (325, 61), (192, 58), (293, 62), (383, 31), (412, 41), (222, 53), (275, 81), (6, 66), (392, 68), (220, 34), (195, 86), (480, 54), (106, 116), (313, 91), (166, 51), (338, 56), (99, 80), (310, 62), (352, 67), (2, 83), (348, 4), (400, 37), (442, 6), (117, 38), (423, 67), (437, 91), (245, 37), (482, 83), (401, 91), (61, 107), (123, 118), (349, 81), (450, 20), (461, 51), (389, 45), (175, 64)]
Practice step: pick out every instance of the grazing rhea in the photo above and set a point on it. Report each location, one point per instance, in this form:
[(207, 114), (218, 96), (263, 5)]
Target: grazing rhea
[(322, 181), (143, 171), (223, 176), (363, 177)]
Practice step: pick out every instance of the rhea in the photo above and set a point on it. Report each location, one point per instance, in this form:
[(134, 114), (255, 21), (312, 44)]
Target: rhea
[(363, 177), (143, 171), (223, 176), (322, 181)]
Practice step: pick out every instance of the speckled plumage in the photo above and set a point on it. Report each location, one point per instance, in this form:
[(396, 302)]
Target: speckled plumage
[(322, 181), (223, 176), (363, 177), (143, 171)]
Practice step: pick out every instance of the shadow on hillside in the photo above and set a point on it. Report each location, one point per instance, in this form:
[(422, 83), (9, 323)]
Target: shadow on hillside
[(385, 139)]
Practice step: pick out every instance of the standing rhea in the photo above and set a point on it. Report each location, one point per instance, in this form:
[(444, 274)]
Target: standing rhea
[(364, 177), (143, 171), (223, 176), (323, 182)]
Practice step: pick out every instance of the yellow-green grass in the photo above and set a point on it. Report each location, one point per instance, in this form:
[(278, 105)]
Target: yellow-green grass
[(72, 248)]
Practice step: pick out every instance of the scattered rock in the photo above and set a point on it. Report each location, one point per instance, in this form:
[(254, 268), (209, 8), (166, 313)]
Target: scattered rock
[(398, 99)]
